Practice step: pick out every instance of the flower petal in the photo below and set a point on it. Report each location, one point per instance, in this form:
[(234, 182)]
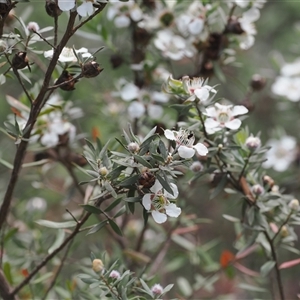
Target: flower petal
[(147, 201), (156, 187), (211, 123), (159, 217), (201, 149), (169, 134), (239, 110), (136, 110), (175, 192), (233, 124), (172, 210), (66, 5), (186, 152), (202, 94)]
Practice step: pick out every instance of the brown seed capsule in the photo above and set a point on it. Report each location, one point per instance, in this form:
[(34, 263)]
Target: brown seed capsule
[(234, 26), (116, 60), (91, 69), (257, 82), (52, 9), (147, 180), (65, 77), (20, 60), (4, 10)]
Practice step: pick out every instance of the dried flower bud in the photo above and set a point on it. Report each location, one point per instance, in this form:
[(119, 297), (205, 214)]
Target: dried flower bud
[(294, 204), (133, 147), (257, 189), (52, 9), (33, 26), (97, 265), (91, 69), (268, 182), (20, 60), (196, 166), (253, 143), (147, 180), (258, 82), (114, 274), (65, 77), (166, 18), (103, 171), (284, 232), (3, 46), (116, 60), (157, 289)]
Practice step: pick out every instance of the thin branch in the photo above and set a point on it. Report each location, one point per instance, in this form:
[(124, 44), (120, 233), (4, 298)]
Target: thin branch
[(58, 270), (53, 87), (277, 271), (141, 238), (5, 289), (52, 46)]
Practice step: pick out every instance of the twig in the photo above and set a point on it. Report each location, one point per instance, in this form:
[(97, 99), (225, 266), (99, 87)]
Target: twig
[(141, 238), (277, 271), (110, 288), (53, 87), (5, 292), (58, 270), (52, 46)]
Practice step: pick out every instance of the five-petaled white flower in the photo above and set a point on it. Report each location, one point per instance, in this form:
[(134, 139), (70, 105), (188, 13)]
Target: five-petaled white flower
[(185, 143), (67, 54), (158, 204), (220, 116), (197, 88), (85, 9)]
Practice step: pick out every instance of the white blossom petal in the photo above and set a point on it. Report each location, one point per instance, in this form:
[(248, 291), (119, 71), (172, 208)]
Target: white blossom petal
[(239, 110), (175, 192), (186, 152), (136, 110), (122, 21), (66, 5), (172, 210), (156, 187), (85, 9), (201, 149), (129, 92), (155, 111), (159, 217), (233, 124), (147, 201), (169, 134), (202, 94), (211, 123)]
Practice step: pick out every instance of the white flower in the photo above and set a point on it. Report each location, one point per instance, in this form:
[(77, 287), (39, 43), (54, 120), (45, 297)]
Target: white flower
[(185, 143), (114, 274), (220, 116), (288, 87), (197, 88), (66, 5), (172, 46), (86, 8), (247, 24), (281, 154), (136, 110), (158, 204), (123, 12), (67, 54)]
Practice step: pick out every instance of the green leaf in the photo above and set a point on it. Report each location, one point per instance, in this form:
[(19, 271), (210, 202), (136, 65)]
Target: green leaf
[(92, 209), (7, 272), (231, 218), (113, 205), (165, 184), (184, 286), (42, 278), (151, 133), (6, 164), (219, 187), (145, 287), (115, 227), (121, 211), (142, 161), (90, 145), (110, 189), (130, 180), (132, 199), (58, 241), (56, 225), (267, 267), (252, 288), (10, 234), (97, 227)]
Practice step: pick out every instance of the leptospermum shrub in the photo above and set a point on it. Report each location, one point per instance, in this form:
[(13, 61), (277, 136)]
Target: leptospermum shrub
[(169, 194)]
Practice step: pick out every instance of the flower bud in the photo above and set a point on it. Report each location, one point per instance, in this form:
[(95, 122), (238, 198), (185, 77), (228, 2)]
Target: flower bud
[(33, 26), (258, 82), (103, 171), (97, 265), (91, 69), (284, 232), (257, 189), (114, 274), (196, 167), (65, 77), (268, 182), (294, 204), (253, 143), (52, 9), (20, 60), (157, 289), (133, 147), (147, 180)]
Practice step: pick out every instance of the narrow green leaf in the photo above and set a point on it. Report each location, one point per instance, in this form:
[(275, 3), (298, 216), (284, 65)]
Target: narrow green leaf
[(56, 225), (115, 227), (219, 187), (253, 288), (165, 184), (266, 268), (132, 199), (113, 205), (231, 218), (58, 241), (97, 227), (90, 145), (130, 180), (110, 189), (6, 164), (142, 161), (7, 272), (121, 211), (92, 209), (42, 278)]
